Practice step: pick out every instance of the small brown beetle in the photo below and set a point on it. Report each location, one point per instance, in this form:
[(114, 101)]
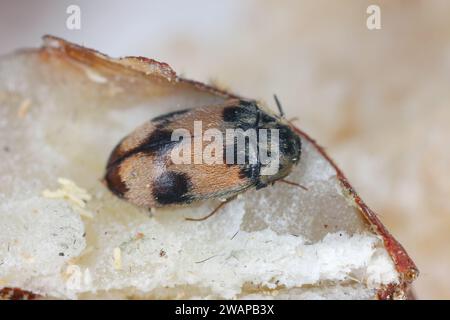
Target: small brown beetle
[(142, 170)]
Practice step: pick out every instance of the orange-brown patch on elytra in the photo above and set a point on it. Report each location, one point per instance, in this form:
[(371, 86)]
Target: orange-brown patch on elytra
[(137, 137), (211, 118), (215, 180), (115, 155), (131, 142), (139, 171)]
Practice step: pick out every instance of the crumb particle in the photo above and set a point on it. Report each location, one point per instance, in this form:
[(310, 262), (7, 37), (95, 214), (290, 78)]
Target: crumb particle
[(117, 254), (139, 236), (23, 108), (76, 196)]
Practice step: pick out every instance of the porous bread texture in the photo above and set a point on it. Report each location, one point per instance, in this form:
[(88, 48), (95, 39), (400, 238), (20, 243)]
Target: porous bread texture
[(175, 253)]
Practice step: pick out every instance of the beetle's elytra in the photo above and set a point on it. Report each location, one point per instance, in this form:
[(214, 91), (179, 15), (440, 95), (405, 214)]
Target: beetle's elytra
[(141, 170)]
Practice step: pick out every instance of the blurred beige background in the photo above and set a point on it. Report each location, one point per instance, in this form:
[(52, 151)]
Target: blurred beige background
[(379, 100)]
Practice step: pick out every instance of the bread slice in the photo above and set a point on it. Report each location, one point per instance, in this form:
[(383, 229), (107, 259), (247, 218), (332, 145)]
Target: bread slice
[(63, 235)]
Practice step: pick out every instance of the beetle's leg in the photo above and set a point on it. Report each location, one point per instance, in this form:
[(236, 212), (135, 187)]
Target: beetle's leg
[(293, 184), (260, 185), (212, 212)]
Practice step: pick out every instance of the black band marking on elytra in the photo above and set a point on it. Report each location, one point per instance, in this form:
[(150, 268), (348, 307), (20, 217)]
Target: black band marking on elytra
[(172, 188), (169, 116)]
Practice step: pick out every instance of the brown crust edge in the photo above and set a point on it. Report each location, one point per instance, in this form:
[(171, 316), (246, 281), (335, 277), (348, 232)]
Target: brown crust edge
[(17, 294), (144, 66), (403, 263)]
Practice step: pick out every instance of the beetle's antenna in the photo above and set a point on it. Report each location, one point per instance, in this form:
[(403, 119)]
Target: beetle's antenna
[(279, 105)]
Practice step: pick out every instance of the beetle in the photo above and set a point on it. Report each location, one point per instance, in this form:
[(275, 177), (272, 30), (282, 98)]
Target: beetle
[(141, 170)]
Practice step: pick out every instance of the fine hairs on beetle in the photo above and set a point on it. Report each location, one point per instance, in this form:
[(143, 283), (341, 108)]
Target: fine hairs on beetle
[(141, 168)]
